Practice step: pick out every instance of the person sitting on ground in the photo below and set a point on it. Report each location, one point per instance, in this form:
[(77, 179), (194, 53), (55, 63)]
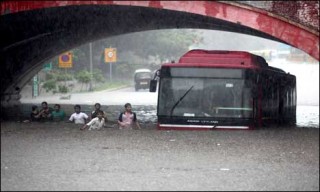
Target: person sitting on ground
[(97, 108), (45, 111), (78, 117), (128, 118), (95, 123), (58, 114), (35, 114)]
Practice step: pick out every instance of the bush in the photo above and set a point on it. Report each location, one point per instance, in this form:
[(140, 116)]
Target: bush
[(98, 76), (83, 76), (49, 76), (49, 85), (64, 77), (63, 89)]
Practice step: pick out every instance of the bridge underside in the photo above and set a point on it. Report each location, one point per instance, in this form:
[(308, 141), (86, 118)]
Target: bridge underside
[(32, 37)]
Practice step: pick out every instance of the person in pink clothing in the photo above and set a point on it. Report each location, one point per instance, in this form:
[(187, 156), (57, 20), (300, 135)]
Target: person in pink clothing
[(128, 119)]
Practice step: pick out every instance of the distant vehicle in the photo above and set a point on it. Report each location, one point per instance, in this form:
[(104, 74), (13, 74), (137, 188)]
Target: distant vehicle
[(212, 89), (142, 79)]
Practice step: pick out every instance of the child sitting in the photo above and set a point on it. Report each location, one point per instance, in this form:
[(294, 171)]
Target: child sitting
[(95, 123)]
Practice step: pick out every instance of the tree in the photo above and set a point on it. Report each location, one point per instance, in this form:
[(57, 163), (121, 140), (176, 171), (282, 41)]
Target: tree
[(164, 44), (84, 77), (133, 50)]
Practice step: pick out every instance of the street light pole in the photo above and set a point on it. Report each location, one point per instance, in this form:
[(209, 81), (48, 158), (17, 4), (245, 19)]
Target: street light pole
[(91, 76)]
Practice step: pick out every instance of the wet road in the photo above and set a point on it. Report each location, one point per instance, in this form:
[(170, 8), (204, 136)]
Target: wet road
[(58, 156), (107, 97)]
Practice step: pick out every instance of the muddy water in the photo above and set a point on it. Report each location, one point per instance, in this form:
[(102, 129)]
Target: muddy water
[(58, 156)]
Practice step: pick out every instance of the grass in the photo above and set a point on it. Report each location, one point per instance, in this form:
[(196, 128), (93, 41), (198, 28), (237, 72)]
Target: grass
[(111, 85)]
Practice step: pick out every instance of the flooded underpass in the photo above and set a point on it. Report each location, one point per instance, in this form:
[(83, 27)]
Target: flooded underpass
[(58, 156)]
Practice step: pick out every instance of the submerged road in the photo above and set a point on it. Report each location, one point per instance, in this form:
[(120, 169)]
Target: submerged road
[(58, 156)]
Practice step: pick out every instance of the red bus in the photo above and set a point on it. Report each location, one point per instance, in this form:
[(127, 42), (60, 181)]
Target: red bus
[(214, 89)]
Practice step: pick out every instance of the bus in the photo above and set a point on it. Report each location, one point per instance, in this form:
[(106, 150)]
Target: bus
[(217, 89)]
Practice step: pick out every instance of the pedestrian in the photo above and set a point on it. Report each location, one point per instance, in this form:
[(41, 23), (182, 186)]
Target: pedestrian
[(78, 117), (45, 111), (58, 114), (95, 123), (128, 119)]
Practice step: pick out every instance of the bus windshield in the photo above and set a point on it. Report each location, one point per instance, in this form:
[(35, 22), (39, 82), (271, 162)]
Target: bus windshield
[(204, 95)]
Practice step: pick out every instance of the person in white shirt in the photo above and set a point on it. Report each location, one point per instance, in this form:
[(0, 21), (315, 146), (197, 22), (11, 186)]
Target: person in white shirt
[(95, 123), (78, 117)]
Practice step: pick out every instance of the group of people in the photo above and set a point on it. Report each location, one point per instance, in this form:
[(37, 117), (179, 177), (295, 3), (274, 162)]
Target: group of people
[(47, 113), (98, 119)]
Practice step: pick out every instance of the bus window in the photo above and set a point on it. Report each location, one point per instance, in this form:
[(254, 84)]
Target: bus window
[(208, 97)]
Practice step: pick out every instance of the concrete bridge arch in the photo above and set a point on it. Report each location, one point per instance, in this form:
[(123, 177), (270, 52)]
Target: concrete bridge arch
[(36, 31)]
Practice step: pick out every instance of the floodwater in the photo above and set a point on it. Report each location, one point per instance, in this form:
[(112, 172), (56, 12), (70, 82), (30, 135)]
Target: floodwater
[(144, 104), (308, 116), (57, 156)]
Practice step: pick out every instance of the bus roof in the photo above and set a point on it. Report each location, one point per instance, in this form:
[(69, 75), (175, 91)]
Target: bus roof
[(200, 57)]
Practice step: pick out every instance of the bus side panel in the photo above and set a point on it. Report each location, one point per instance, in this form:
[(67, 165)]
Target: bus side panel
[(278, 100)]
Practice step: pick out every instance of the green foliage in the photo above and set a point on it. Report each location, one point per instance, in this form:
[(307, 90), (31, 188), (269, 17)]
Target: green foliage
[(98, 76), (63, 77), (63, 89), (83, 76), (133, 50), (54, 78), (49, 85), (49, 76)]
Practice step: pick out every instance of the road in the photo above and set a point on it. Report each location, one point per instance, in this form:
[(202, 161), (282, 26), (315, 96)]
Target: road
[(108, 97)]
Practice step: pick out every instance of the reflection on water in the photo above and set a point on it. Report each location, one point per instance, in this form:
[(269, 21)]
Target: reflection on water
[(308, 116)]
